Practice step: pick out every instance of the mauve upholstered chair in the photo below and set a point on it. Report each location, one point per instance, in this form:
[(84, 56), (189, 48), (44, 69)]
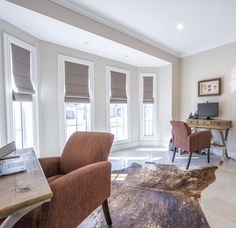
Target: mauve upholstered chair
[(80, 181), (190, 142)]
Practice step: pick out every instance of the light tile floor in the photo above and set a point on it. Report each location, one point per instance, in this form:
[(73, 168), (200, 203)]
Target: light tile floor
[(218, 201)]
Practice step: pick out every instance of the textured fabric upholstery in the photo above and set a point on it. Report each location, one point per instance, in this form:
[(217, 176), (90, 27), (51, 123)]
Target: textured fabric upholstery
[(78, 189), (182, 137), (199, 140), (53, 178), (180, 132), (50, 166), (88, 148)]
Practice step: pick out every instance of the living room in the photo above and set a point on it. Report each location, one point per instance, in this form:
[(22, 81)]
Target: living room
[(58, 32)]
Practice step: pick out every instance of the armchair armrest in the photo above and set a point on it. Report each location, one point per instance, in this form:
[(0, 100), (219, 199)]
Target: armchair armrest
[(50, 165), (199, 140), (78, 193)]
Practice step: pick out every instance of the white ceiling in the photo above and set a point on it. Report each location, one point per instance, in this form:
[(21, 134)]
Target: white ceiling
[(207, 23), (51, 30)]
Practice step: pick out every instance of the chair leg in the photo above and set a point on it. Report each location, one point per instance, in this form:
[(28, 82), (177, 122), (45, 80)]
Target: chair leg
[(189, 160), (208, 155), (106, 212), (173, 158)]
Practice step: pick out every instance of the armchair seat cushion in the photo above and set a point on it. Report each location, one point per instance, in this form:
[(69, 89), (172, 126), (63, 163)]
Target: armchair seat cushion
[(53, 178)]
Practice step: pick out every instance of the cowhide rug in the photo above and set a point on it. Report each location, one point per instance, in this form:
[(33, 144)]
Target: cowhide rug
[(155, 196)]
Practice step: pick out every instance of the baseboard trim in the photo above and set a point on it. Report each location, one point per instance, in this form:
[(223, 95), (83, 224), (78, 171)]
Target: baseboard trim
[(148, 143), (123, 146)]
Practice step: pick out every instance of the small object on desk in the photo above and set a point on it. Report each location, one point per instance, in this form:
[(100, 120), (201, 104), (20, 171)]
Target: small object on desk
[(11, 167), (7, 149), (193, 115), (10, 157)]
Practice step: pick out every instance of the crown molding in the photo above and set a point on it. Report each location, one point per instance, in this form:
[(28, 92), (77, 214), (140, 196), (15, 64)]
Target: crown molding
[(75, 6)]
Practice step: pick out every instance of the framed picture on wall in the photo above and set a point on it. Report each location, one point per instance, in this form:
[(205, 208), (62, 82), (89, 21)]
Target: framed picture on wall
[(211, 87)]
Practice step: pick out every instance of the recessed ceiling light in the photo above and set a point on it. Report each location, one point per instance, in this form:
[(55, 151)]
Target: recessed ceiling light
[(180, 26)]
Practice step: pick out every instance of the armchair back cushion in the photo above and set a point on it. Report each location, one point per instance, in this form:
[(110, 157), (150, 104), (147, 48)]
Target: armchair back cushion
[(180, 132), (88, 148)]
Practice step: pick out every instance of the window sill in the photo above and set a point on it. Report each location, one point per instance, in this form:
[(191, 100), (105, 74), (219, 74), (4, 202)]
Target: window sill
[(121, 141), (148, 138)]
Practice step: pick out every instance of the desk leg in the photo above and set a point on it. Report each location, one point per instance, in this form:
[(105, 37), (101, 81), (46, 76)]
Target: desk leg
[(224, 145), (14, 217)]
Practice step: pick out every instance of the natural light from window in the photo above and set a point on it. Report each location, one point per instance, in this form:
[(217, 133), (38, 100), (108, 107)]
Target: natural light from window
[(77, 118), (23, 122), (118, 121), (148, 119)]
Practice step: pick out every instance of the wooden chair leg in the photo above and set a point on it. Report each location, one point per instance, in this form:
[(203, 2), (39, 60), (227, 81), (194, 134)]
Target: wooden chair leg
[(106, 212), (173, 158), (208, 155), (189, 160)]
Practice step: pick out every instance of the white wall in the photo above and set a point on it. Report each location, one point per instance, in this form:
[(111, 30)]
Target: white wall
[(218, 62), (12, 30), (164, 111)]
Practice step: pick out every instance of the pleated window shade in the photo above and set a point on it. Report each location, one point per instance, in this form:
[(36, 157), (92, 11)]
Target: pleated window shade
[(76, 83), (148, 90), (118, 87), (21, 74)]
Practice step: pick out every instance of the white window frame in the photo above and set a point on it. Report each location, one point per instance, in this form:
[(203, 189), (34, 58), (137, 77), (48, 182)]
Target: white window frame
[(108, 96), (142, 136), (8, 40), (61, 93)]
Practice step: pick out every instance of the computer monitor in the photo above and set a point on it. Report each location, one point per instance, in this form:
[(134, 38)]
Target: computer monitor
[(208, 110)]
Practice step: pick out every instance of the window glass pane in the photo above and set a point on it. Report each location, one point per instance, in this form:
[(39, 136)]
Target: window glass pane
[(23, 124), (71, 115), (18, 135), (70, 130), (77, 118), (148, 119), (118, 121), (27, 120), (17, 124), (17, 115)]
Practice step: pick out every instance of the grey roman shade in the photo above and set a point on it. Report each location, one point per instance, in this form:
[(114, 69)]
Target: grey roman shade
[(21, 74), (118, 87), (148, 90), (76, 83)]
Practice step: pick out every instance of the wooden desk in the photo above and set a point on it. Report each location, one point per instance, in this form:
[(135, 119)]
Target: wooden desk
[(22, 192), (222, 126)]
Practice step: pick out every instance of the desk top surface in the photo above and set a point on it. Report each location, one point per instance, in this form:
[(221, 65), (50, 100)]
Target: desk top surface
[(24, 189), (215, 124)]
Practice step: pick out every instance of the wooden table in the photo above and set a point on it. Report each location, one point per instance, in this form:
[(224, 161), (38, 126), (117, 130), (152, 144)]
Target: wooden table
[(222, 126), (22, 192)]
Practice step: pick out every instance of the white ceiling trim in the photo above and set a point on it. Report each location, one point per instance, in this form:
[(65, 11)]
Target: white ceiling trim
[(75, 6)]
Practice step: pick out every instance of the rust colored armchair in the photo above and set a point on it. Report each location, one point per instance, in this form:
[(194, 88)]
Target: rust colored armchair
[(80, 181), (191, 142)]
